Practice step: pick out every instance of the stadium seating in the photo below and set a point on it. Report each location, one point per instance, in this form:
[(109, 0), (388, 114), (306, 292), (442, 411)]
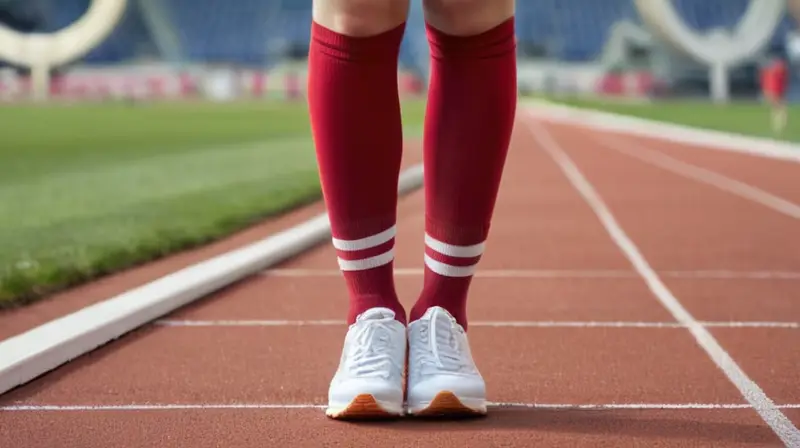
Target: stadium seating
[(575, 30), (244, 31)]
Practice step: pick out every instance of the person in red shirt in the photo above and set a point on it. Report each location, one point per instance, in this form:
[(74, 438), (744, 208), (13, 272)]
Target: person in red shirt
[(774, 80)]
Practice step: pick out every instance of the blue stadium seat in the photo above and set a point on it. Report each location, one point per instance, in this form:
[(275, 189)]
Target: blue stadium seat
[(573, 30), (240, 31), (222, 31)]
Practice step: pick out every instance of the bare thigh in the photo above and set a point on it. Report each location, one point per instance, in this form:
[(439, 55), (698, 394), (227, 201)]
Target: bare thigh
[(467, 17), (360, 18)]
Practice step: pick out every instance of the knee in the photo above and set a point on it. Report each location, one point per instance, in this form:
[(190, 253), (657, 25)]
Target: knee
[(467, 17), (360, 18)]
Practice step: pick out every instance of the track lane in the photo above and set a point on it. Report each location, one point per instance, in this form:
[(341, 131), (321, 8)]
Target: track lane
[(690, 230), (541, 224), (778, 177)]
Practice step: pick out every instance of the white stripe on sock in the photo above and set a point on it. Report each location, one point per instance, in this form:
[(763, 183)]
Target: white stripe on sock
[(367, 263), (365, 243), (451, 250), (448, 270)]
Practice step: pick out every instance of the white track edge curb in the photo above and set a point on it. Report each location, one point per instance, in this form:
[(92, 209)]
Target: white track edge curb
[(711, 139), (44, 348)]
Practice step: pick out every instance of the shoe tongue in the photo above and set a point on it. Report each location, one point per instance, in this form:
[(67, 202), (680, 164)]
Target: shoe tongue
[(439, 313), (377, 314)]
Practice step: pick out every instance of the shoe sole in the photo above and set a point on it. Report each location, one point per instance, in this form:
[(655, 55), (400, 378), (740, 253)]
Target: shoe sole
[(447, 404), (363, 407)]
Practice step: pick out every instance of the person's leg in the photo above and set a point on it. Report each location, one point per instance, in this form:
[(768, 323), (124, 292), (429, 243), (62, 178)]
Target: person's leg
[(355, 119), (779, 113), (470, 115)]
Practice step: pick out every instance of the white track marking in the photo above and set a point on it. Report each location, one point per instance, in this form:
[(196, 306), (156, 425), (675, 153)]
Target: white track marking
[(498, 324), (706, 176), (491, 273), (249, 323), (698, 137), (557, 273), (290, 406), (636, 406), (751, 324), (754, 395), (733, 275)]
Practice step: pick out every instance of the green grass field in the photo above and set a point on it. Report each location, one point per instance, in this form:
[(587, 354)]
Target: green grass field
[(91, 189), (742, 118)]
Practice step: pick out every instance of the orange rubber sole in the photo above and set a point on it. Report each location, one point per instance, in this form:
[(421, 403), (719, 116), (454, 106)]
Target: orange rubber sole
[(446, 404), (363, 407)]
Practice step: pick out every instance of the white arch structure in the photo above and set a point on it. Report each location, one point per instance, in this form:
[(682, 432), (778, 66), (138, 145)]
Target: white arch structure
[(42, 51), (719, 50)]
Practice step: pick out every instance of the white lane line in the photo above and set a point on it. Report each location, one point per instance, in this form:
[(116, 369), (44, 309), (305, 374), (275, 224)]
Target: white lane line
[(495, 273), (498, 324), (766, 408), (559, 273), (154, 407), (733, 275), (703, 175), (248, 323), (290, 406), (697, 137), (639, 406), (751, 324)]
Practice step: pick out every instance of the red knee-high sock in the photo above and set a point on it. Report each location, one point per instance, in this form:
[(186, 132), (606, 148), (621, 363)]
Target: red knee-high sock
[(355, 119), (471, 106)]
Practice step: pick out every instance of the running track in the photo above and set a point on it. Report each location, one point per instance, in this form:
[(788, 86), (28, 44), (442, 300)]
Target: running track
[(606, 294)]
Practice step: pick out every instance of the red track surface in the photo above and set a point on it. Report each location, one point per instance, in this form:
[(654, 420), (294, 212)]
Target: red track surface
[(550, 264)]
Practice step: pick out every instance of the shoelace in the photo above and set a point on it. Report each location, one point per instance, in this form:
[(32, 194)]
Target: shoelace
[(444, 347), (372, 354)]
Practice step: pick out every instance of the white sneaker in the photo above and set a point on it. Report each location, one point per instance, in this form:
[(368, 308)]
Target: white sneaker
[(442, 377), (369, 380)]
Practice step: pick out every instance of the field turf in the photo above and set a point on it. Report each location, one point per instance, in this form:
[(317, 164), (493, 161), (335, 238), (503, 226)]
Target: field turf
[(91, 189)]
